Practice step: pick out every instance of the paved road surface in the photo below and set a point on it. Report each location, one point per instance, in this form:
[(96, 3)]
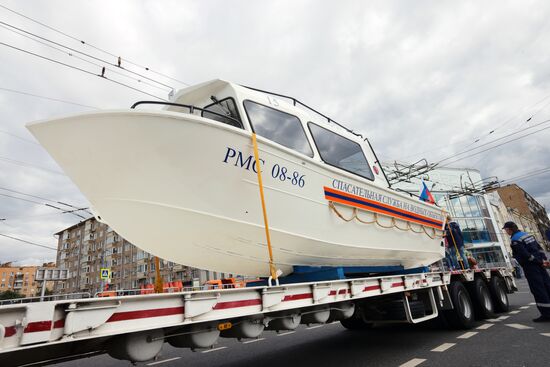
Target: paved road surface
[(510, 340)]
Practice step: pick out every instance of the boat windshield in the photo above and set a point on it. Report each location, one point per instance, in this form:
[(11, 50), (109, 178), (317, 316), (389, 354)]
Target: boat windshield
[(340, 152), (225, 107), (278, 126)]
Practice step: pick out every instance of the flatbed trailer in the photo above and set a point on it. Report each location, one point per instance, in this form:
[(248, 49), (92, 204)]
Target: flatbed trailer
[(135, 328)]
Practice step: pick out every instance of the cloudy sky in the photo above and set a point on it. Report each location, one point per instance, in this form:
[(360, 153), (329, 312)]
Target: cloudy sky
[(420, 79)]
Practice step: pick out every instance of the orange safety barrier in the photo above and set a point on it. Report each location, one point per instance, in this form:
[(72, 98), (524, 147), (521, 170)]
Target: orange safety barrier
[(107, 294)]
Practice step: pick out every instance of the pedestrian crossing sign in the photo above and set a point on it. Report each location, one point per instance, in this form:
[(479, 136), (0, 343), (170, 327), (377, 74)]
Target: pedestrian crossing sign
[(105, 273)]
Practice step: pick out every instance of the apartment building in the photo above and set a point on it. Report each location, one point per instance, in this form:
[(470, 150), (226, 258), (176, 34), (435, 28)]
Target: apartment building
[(89, 246), (20, 279), (515, 197)]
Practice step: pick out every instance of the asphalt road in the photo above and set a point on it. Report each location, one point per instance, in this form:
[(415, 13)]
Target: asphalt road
[(510, 340)]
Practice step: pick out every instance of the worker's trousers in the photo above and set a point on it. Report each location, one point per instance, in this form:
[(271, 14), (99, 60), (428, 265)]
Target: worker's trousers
[(539, 284)]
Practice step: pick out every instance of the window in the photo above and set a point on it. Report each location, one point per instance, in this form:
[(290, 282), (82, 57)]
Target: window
[(340, 152), (278, 126), (225, 107)]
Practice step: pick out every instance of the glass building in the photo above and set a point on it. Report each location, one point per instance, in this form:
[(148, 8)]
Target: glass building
[(482, 236)]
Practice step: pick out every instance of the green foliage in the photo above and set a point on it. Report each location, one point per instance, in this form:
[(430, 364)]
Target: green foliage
[(10, 295)]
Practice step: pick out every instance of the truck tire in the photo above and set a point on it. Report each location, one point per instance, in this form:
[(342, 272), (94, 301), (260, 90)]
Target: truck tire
[(481, 298), (499, 294), (356, 324), (357, 321), (462, 314)]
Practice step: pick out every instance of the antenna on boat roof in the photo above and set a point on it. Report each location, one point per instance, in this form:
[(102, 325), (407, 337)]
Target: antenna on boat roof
[(296, 102)]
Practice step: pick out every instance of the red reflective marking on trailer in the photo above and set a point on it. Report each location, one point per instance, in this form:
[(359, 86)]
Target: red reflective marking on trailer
[(395, 285), (296, 297), (38, 326), (59, 324), (341, 291), (142, 314), (371, 288), (234, 304), (10, 331)]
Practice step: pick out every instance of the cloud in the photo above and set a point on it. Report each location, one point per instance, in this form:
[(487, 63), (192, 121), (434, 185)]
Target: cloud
[(424, 76)]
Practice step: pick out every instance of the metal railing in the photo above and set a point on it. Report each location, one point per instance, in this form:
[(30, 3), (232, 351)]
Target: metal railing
[(54, 297), (145, 291), (191, 109)]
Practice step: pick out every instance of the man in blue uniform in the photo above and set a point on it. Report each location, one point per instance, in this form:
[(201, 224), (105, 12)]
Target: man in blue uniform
[(532, 259), (455, 240)]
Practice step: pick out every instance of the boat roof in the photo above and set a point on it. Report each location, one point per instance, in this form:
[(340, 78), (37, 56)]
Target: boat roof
[(195, 94)]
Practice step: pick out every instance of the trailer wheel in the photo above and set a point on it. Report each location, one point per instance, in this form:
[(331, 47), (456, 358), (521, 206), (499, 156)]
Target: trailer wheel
[(481, 297), (356, 324), (499, 294), (462, 315), (357, 321)]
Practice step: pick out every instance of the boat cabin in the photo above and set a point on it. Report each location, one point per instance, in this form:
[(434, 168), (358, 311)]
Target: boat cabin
[(287, 122)]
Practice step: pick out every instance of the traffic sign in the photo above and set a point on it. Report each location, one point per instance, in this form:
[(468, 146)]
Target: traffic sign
[(105, 273)]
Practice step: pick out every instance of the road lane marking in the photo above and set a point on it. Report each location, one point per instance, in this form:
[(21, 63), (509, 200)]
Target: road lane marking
[(467, 335), (493, 320), (413, 362), (503, 317), (484, 326), (213, 350), (443, 347), (163, 361), (288, 333), (533, 303), (545, 334), (514, 312), (253, 340), (314, 327), (519, 326), (524, 307)]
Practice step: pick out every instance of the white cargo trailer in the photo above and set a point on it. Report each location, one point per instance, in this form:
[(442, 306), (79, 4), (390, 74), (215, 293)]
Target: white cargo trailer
[(135, 328)]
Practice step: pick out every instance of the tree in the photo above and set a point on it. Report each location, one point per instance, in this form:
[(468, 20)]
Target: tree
[(10, 295)]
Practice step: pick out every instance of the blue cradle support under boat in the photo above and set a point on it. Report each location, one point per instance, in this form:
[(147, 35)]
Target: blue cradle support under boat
[(305, 274)]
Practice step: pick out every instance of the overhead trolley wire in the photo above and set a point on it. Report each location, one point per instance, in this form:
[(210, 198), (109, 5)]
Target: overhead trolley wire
[(527, 175), (501, 125), (146, 68), (28, 242), (414, 172), (64, 211), (42, 198), (80, 69), (25, 164), (82, 59), (43, 97), (499, 145), (85, 54), (17, 136)]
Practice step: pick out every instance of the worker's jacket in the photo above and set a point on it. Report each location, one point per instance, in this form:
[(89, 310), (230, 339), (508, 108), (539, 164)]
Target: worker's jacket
[(456, 235), (526, 250)]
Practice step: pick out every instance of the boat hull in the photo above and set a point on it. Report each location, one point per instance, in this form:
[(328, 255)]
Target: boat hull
[(185, 189)]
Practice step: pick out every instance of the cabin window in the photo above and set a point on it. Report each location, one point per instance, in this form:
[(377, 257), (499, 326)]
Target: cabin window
[(340, 152), (224, 107), (278, 126)]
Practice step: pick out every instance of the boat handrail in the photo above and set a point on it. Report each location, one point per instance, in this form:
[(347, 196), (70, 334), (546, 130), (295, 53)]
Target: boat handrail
[(295, 102), (190, 107)]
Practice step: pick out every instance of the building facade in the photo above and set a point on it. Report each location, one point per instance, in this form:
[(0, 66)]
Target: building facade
[(90, 246), (20, 279), (516, 198), (482, 236)]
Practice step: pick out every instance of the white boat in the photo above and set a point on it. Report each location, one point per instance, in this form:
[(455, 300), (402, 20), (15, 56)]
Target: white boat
[(180, 183)]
